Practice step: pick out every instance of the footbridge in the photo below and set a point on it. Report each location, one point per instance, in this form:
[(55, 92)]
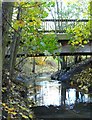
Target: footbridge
[(58, 26)]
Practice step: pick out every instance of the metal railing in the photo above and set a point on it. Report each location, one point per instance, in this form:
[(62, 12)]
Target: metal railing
[(59, 25)]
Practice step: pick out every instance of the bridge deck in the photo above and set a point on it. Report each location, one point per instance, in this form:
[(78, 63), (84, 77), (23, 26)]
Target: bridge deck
[(63, 38), (68, 49)]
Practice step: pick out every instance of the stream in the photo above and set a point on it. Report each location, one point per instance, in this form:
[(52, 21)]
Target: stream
[(52, 92), (47, 93)]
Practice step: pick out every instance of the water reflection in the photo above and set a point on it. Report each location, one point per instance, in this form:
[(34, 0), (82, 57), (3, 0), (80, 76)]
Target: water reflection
[(54, 93), (49, 93)]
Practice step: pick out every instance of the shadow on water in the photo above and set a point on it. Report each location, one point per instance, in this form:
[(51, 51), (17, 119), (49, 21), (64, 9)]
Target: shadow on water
[(52, 98)]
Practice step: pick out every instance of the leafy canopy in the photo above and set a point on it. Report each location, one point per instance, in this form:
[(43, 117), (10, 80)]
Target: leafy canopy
[(34, 40)]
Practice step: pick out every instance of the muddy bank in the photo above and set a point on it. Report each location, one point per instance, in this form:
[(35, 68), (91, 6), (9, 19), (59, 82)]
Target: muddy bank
[(79, 110)]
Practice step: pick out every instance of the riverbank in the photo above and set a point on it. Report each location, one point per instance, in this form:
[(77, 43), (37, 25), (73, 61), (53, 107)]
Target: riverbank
[(79, 110)]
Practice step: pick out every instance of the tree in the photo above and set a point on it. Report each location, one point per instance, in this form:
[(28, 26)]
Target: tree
[(21, 34), (7, 10)]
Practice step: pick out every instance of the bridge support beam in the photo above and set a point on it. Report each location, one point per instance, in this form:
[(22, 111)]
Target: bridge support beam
[(63, 94), (64, 62)]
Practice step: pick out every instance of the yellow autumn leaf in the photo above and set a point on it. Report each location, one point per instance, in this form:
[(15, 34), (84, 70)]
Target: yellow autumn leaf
[(13, 113), (24, 108), (11, 109), (24, 116), (71, 83), (76, 42), (3, 91), (4, 88), (72, 43), (6, 108), (85, 42), (4, 104), (31, 116), (81, 85)]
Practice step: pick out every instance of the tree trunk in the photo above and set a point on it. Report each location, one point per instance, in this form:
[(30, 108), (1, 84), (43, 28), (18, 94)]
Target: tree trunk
[(7, 11), (15, 46)]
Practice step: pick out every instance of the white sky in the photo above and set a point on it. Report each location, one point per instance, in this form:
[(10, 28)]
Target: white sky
[(64, 3)]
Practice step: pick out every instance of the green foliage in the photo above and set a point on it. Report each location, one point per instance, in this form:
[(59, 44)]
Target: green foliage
[(41, 43), (34, 41), (79, 34)]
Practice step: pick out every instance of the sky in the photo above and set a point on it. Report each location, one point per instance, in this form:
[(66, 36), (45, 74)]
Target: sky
[(63, 3)]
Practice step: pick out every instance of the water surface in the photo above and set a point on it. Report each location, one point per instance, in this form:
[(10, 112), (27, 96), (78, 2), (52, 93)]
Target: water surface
[(52, 92)]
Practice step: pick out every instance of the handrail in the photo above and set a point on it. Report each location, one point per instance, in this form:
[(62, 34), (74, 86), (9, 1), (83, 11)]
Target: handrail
[(65, 20), (59, 25)]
